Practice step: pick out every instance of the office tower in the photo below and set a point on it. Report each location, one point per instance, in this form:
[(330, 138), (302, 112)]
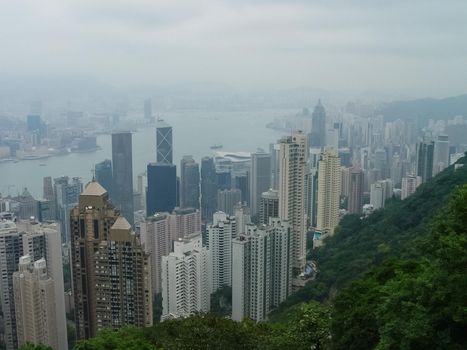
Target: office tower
[(425, 155), (35, 303), (293, 167), (318, 127), (274, 154), (380, 163), (261, 270), (224, 180), (409, 185), (380, 191), (269, 206), (186, 279), (10, 252), (142, 187), (220, 234), (164, 146), (332, 138), (242, 217), (147, 109), (34, 126), (441, 154), (103, 174), (396, 169), (160, 230), (355, 200), (189, 183), (208, 188), (228, 199), (260, 179), (47, 189), (329, 187), (122, 171), (45, 210), (66, 197), (43, 241), (111, 272), (27, 205), (161, 192), (241, 182)]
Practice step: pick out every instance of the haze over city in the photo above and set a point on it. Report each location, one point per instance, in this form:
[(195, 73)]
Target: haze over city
[(401, 48)]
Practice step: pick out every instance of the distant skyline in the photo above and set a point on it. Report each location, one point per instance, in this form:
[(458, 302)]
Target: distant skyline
[(411, 48)]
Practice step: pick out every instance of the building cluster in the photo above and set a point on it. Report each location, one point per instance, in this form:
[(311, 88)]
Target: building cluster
[(236, 220)]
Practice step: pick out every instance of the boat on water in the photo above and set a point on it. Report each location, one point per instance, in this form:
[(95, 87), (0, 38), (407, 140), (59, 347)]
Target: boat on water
[(216, 146), (42, 164)]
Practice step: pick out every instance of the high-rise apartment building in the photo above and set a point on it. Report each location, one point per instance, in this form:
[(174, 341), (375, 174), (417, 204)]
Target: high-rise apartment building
[(329, 187), (261, 270), (220, 234), (189, 183), (293, 167), (35, 304), (208, 188), (425, 161), (380, 191), (260, 179), (122, 172), (409, 185), (269, 207), (162, 188), (186, 279), (158, 232), (10, 252), (228, 199), (274, 154), (164, 147), (43, 241), (355, 200), (111, 272), (103, 174)]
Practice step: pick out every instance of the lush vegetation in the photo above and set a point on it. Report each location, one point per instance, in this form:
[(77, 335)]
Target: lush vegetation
[(395, 280)]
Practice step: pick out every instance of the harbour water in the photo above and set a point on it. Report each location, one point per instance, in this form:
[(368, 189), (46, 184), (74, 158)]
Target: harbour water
[(193, 134)]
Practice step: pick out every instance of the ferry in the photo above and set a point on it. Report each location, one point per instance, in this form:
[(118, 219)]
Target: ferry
[(216, 146)]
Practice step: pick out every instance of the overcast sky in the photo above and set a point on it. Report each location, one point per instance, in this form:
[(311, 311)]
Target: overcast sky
[(406, 46)]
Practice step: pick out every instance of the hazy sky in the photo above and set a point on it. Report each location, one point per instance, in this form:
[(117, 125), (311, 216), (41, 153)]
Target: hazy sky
[(407, 46)]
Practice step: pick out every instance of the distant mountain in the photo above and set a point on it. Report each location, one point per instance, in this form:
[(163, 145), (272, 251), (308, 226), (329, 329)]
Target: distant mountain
[(423, 110)]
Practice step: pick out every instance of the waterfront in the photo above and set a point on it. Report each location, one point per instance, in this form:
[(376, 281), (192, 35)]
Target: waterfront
[(193, 132)]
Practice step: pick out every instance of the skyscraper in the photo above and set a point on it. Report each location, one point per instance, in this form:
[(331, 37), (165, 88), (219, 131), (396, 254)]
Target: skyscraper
[(186, 279), (122, 171), (261, 270), (208, 188), (220, 234), (164, 147), (147, 108), (189, 183), (34, 287), (293, 163), (318, 127), (260, 179), (66, 197), (329, 188), (103, 174), (10, 252), (227, 200), (425, 155), (111, 272), (162, 188), (355, 191), (269, 206), (380, 191), (441, 154)]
